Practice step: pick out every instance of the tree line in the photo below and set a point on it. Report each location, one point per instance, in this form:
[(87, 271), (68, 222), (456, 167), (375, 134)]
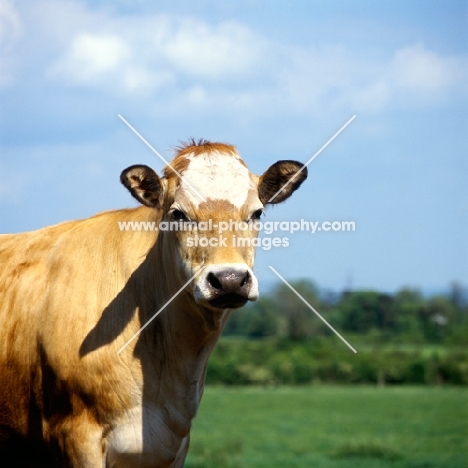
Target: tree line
[(406, 316), (401, 338)]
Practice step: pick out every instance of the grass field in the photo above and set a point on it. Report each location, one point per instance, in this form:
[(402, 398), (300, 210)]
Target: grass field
[(331, 427)]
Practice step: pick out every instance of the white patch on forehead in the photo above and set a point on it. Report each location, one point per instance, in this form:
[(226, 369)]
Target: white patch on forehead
[(217, 176)]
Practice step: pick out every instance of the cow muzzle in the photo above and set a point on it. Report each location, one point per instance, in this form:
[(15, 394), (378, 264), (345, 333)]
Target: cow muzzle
[(226, 286)]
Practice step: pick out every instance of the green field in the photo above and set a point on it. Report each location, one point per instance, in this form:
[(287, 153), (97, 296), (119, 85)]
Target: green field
[(331, 427)]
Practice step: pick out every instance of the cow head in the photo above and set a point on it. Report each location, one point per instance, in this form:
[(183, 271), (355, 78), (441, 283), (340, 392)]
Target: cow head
[(210, 202)]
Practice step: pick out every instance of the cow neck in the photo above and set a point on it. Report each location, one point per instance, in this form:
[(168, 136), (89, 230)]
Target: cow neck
[(184, 334)]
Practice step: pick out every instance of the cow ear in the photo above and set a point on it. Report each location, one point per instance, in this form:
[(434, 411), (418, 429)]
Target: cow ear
[(144, 184), (280, 180)]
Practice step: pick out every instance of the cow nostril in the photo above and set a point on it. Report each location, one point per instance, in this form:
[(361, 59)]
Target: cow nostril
[(245, 280), (214, 281)]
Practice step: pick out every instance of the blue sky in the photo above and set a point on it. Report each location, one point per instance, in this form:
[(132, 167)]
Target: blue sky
[(275, 78)]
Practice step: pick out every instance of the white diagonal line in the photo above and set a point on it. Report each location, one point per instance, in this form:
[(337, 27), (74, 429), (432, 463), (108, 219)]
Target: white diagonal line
[(161, 157), (312, 158), (161, 309), (311, 308)]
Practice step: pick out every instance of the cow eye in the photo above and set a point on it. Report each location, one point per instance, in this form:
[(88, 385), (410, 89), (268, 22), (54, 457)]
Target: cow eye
[(179, 215), (257, 215)]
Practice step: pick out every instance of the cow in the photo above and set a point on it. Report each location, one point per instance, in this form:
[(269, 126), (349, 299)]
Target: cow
[(82, 385)]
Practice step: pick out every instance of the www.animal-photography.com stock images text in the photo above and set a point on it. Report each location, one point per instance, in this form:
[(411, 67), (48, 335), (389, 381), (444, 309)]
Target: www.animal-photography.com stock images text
[(233, 234)]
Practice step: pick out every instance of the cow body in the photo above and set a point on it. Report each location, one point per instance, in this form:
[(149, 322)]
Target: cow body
[(72, 295)]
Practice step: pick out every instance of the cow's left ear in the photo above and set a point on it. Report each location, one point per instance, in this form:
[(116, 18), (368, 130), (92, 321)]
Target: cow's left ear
[(144, 184), (280, 180)]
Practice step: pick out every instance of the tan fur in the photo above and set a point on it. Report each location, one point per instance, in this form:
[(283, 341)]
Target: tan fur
[(54, 285), (69, 299)]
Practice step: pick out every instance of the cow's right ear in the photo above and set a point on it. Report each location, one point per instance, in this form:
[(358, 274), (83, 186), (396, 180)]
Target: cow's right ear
[(144, 184)]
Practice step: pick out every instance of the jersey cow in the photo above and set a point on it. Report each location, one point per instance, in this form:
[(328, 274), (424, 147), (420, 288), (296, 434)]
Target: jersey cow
[(75, 389)]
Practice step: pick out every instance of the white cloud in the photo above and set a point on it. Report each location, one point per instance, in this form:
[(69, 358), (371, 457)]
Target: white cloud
[(90, 57), (10, 24), (311, 76), (196, 95), (99, 54), (11, 30), (142, 80), (371, 98), (211, 52), (146, 53), (191, 62), (415, 67), (338, 77)]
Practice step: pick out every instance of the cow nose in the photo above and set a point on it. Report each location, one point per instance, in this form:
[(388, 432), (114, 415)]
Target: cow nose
[(229, 287), (230, 281)]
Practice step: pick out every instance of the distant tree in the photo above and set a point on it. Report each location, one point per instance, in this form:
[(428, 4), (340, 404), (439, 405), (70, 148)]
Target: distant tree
[(366, 310), (458, 295), (300, 322), (238, 323), (438, 318), (409, 304), (262, 318), (459, 299), (407, 315)]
